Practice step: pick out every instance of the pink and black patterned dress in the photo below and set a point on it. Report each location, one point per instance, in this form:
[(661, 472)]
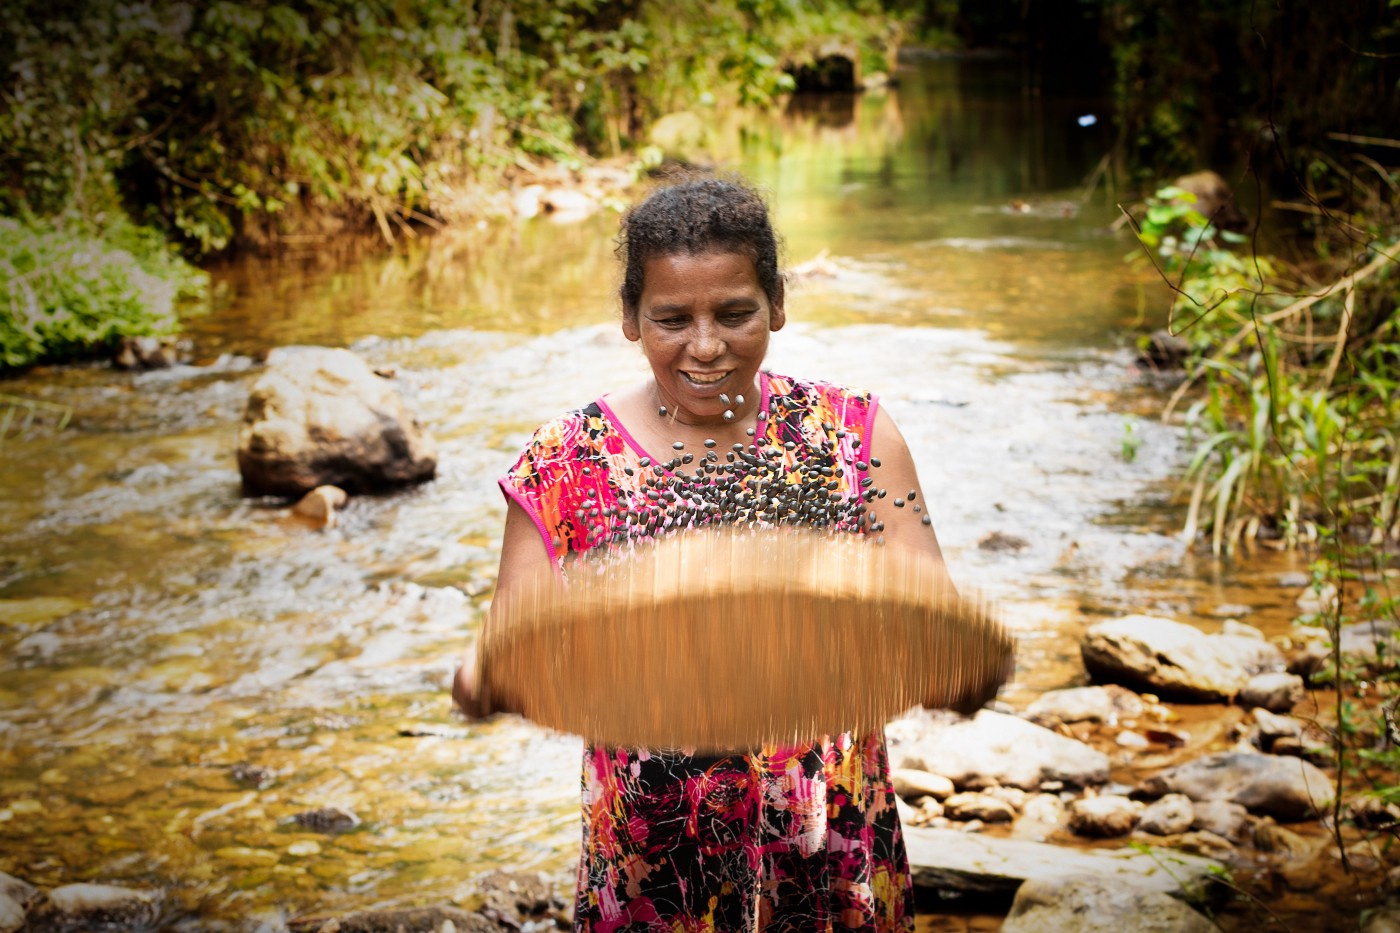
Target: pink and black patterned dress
[(800, 838)]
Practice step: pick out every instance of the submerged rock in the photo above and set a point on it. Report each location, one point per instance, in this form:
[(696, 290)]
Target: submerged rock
[(993, 748), (12, 916), (18, 890), (1225, 819), (974, 806), (1284, 788), (96, 907), (321, 417), (327, 819), (1099, 905), (1174, 659)]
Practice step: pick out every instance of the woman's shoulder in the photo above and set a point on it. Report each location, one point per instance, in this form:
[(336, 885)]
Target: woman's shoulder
[(571, 436)]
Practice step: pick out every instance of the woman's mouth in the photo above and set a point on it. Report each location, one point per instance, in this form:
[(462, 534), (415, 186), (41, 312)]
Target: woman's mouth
[(704, 380)]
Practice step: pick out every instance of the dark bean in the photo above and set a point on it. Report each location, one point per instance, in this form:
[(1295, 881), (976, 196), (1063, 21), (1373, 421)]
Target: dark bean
[(661, 411), (928, 520), (874, 461), (913, 494), (899, 503)]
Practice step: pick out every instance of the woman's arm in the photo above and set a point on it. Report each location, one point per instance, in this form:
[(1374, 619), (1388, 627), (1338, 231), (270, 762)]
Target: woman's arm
[(523, 557), (907, 528), (903, 526)]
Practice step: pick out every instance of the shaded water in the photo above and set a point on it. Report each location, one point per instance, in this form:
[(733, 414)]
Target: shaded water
[(156, 629)]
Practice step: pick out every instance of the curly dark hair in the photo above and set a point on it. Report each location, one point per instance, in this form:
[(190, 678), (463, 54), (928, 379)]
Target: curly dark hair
[(702, 215)]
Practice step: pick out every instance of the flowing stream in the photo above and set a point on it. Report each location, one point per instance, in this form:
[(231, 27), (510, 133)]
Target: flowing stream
[(157, 630)]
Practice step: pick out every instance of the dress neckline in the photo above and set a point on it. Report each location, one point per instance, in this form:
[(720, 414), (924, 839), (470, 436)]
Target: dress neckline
[(636, 445)]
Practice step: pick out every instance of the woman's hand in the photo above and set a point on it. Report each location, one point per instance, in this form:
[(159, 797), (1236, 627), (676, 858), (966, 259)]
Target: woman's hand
[(467, 695)]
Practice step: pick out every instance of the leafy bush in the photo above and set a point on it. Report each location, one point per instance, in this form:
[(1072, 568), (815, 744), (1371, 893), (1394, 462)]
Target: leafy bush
[(246, 117), (67, 294), (1294, 426)]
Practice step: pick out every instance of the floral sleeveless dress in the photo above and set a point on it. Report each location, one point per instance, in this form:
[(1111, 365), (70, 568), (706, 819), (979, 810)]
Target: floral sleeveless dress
[(801, 838)]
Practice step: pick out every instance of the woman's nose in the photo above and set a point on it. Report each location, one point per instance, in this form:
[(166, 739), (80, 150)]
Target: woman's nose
[(706, 343)]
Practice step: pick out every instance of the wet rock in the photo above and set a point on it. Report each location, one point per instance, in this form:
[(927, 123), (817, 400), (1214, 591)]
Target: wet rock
[(926, 813), (1105, 704), (1206, 844), (1174, 659), (1129, 739), (1097, 905), (1373, 813), (1162, 349), (252, 776), (974, 806), (912, 784), (1012, 796), (951, 862), (1168, 816), (1044, 808), (994, 748), (514, 896), (144, 353), (1317, 599), (1372, 641), (96, 907), (1211, 196), (1103, 817), (1385, 920), (321, 417), (327, 820), (410, 920), (320, 504), (1225, 819), (18, 890), (1232, 625), (1276, 840), (1001, 542), (1284, 788), (12, 916), (1275, 691)]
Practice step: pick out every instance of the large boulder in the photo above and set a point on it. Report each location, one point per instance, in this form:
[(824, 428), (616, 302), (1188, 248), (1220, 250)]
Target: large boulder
[(1174, 659), (96, 907), (321, 416), (993, 748), (1284, 788), (948, 861), (1099, 905)]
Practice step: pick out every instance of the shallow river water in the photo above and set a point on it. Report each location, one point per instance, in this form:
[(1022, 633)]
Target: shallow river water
[(156, 629)]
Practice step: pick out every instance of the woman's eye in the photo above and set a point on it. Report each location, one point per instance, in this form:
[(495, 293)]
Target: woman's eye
[(736, 317)]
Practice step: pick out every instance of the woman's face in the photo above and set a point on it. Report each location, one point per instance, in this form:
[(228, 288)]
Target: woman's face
[(703, 322)]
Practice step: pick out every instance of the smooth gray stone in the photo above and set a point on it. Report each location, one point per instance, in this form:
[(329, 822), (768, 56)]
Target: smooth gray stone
[(951, 861), (1097, 905)]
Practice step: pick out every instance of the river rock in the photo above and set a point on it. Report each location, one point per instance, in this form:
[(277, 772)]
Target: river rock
[(327, 819), (995, 748), (1168, 816), (1098, 905), (1174, 659), (144, 353), (320, 504), (1276, 691), (970, 805), (912, 783), (18, 890), (1103, 817), (12, 915), (1103, 704), (1276, 840), (1225, 819), (409, 920), (1373, 813), (946, 861), (1284, 788), (96, 907), (1162, 349), (1044, 808), (1212, 198), (321, 417)]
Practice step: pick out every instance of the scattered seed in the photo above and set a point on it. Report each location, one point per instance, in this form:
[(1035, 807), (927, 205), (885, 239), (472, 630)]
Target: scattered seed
[(913, 494), (927, 520), (661, 411), (709, 442), (874, 461), (724, 399), (899, 503), (678, 445), (728, 415)]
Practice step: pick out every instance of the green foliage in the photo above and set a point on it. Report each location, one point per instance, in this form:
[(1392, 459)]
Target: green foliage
[(1288, 441), (65, 293), (243, 118)]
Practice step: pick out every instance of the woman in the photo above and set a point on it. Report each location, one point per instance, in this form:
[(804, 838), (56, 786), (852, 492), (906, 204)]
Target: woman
[(792, 838)]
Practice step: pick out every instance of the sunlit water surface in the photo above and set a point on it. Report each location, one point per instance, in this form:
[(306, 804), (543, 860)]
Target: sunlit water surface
[(157, 629)]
